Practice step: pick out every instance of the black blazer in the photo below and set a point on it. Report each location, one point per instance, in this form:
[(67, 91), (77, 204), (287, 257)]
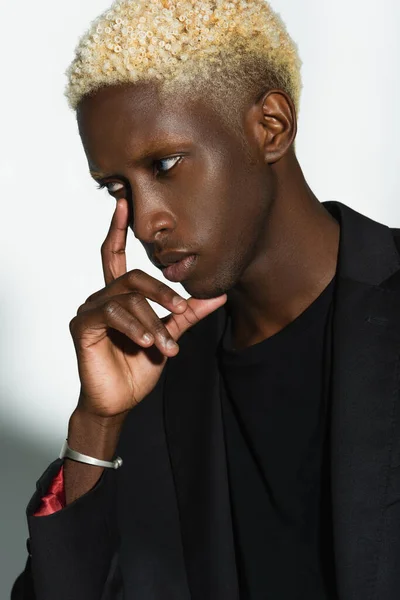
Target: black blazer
[(160, 527)]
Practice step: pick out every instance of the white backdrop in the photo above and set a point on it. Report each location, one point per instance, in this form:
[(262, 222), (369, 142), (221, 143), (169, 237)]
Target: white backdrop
[(53, 220)]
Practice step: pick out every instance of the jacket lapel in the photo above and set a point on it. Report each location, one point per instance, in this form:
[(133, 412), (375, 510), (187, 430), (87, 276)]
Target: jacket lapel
[(364, 387), (196, 445)]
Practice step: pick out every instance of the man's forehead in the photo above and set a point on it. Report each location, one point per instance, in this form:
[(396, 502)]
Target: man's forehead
[(141, 102), (126, 117)]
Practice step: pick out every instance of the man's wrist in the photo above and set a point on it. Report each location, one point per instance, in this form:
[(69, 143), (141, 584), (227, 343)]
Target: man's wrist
[(94, 435)]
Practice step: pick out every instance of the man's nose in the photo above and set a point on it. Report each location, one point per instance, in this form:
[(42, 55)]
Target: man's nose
[(151, 219)]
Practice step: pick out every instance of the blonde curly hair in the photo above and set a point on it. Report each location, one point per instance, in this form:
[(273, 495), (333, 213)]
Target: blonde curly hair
[(210, 47)]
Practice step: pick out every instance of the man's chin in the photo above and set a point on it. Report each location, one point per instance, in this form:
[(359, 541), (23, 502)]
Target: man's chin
[(201, 291)]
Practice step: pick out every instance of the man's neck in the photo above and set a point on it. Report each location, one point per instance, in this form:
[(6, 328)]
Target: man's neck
[(297, 261)]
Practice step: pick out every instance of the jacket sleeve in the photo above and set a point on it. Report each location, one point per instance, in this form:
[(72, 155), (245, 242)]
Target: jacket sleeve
[(72, 552)]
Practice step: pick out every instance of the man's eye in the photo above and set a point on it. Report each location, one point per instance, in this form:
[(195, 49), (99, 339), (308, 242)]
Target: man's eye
[(163, 165), (169, 162), (114, 186)]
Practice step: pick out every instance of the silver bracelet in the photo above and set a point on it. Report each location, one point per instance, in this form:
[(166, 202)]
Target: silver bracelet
[(67, 452)]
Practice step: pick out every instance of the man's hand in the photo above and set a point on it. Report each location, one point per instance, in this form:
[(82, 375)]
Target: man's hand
[(118, 367)]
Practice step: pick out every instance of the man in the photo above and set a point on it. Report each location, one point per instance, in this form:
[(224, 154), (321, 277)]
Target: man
[(262, 460)]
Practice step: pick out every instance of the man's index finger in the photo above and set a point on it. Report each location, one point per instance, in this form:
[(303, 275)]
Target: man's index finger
[(113, 249)]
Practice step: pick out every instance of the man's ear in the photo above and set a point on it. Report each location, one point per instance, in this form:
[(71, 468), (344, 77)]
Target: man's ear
[(272, 121)]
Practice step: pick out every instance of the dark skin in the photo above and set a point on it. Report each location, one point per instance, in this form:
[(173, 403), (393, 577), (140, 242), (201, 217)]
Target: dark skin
[(260, 233), (184, 180)]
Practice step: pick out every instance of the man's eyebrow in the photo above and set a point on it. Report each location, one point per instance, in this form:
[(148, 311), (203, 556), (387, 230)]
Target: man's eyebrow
[(130, 163), (97, 175), (154, 148)]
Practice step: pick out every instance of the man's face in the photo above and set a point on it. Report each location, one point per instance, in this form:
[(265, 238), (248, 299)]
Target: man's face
[(189, 182)]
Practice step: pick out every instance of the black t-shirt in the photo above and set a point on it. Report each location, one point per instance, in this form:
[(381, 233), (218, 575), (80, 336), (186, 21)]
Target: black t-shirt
[(275, 421)]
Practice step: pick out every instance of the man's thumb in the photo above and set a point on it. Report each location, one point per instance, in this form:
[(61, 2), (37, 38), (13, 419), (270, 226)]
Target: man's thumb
[(195, 311)]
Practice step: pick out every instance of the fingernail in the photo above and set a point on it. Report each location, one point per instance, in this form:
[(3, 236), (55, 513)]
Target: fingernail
[(171, 345), (177, 300)]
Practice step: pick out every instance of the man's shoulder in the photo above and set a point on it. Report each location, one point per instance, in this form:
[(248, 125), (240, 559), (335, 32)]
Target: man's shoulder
[(395, 231), (396, 236)]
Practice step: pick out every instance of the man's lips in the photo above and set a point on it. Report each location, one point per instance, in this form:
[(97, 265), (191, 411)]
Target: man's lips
[(180, 270), (169, 258)]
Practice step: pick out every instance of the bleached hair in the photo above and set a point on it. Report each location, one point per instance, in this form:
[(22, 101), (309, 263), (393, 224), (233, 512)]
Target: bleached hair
[(231, 51)]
